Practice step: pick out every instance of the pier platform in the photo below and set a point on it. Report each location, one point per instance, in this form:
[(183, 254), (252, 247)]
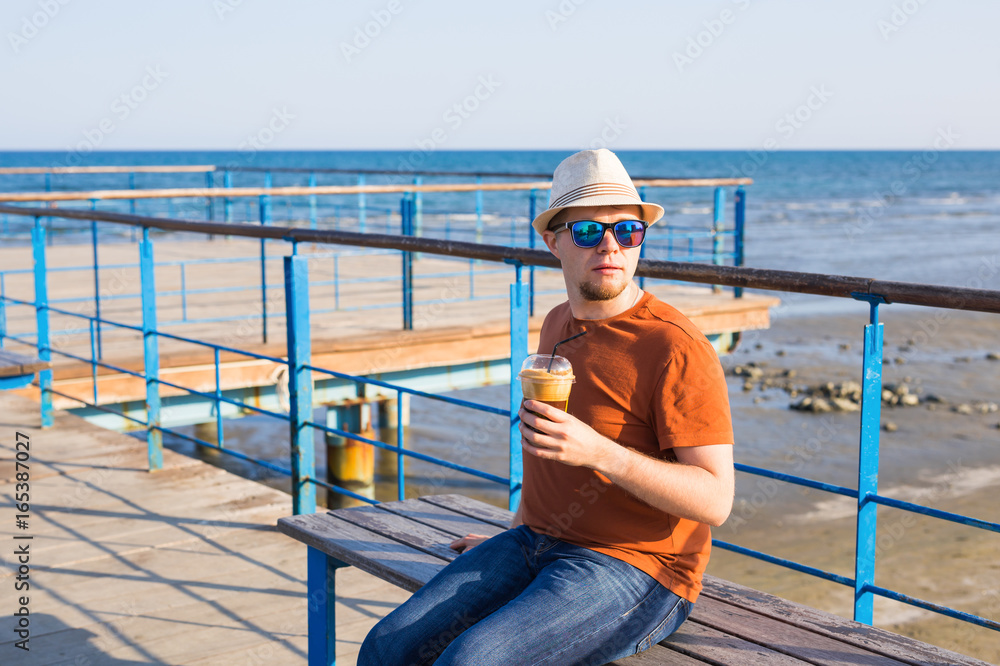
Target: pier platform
[(460, 336), (179, 566)]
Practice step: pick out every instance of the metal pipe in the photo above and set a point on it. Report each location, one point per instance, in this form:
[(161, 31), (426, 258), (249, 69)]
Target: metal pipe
[(739, 214), (97, 281), (518, 352), (151, 352), (718, 228), (360, 190), (42, 320), (406, 212), (299, 341), (871, 406), (532, 214), (362, 217), (184, 314), (220, 433), (3, 311), (227, 183), (312, 201), (841, 286)]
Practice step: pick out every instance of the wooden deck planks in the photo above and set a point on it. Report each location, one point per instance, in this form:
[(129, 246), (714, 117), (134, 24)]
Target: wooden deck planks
[(179, 566), (13, 364)]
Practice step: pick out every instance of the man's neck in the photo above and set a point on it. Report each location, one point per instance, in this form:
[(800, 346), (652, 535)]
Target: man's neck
[(584, 309)]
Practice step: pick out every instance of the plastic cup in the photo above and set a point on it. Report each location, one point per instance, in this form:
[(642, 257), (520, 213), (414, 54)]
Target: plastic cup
[(548, 379)]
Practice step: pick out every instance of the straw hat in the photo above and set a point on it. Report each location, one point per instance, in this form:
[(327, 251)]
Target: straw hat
[(593, 178)]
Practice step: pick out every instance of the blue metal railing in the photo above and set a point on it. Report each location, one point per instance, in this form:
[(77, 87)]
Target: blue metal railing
[(687, 239), (300, 369)]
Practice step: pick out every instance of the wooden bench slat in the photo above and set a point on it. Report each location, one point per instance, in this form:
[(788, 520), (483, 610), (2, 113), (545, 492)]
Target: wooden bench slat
[(712, 645), (406, 543), (794, 641), (876, 640), (13, 364), (380, 556), (415, 535), (470, 507), (660, 655), (438, 517)]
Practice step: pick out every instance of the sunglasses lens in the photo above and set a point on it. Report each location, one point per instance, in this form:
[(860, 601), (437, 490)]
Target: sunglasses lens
[(630, 233), (587, 233)]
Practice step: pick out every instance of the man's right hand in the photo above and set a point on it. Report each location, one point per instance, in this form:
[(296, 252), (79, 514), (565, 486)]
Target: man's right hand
[(467, 542)]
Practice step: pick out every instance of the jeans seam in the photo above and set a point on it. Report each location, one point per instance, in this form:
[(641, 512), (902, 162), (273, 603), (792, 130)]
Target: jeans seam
[(603, 626), (645, 643)]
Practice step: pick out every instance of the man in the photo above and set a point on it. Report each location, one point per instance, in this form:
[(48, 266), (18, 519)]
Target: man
[(606, 551)]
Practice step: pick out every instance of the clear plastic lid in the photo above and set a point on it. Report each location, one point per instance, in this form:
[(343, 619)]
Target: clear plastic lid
[(545, 367)]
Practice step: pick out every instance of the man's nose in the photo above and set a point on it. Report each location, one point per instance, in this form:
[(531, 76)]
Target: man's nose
[(608, 242)]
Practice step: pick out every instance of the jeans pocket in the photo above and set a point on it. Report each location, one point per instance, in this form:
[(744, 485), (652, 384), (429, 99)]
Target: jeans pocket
[(668, 625)]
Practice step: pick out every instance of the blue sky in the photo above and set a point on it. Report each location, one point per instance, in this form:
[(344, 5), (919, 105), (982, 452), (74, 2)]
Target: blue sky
[(553, 74)]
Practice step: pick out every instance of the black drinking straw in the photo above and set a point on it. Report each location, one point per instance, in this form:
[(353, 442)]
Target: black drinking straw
[(574, 337)]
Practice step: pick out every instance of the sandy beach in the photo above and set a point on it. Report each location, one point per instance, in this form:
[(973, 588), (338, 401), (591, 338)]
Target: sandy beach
[(934, 455)]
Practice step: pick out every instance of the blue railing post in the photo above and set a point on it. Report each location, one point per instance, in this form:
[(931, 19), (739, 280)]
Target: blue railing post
[(227, 206), (209, 201), (642, 248), (3, 312), (406, 215), (401, 420), (300, 383), (312, 201), (97, 280), (871, 406), (739, 215), (532, 213), (93, 361), (184, 302), (518, 352), (418, 208), (151, 352), (479, 210), (131, 202), (219, 430), (362, 214), (42, 320), (718, 227), (265, 220)]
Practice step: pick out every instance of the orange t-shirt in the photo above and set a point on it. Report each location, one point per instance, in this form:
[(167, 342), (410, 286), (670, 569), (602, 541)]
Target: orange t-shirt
[(649, 380)]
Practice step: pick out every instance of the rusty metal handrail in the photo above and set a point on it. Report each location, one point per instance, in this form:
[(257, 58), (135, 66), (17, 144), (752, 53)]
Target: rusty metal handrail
[(215, 168), (842, 286), (237, 192)]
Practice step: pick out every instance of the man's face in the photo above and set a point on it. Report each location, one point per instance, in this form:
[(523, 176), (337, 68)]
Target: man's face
[(598, 273)]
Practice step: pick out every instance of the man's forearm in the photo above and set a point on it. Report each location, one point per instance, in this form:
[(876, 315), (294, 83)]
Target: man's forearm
[(684, 490)]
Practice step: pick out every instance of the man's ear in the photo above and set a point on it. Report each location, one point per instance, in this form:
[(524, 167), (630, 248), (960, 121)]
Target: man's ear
[(550, 241)]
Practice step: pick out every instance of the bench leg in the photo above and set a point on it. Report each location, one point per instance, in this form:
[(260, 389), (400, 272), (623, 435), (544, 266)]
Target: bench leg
[(321, 570)]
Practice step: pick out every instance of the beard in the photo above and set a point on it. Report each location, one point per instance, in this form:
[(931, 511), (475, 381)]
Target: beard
[(601, 292)]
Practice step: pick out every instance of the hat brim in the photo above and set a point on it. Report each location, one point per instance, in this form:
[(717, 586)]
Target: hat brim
[(651, 213)]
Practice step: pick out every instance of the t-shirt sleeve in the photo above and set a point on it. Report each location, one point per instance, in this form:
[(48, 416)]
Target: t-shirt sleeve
[(690, 402)]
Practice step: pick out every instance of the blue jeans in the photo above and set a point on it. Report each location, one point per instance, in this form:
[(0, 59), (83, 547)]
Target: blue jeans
[(526, 598)]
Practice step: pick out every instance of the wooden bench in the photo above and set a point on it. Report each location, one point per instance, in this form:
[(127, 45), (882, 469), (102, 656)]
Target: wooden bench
[(17, 370), (406, 543)]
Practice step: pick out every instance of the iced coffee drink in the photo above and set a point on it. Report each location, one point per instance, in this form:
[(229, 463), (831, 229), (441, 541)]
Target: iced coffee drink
[(548, 379)]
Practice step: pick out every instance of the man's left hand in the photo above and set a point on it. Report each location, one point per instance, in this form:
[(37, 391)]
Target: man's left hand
[(562, 437)]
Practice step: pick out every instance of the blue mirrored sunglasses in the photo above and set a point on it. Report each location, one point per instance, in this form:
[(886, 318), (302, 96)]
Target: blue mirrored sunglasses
[(590, 233)]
